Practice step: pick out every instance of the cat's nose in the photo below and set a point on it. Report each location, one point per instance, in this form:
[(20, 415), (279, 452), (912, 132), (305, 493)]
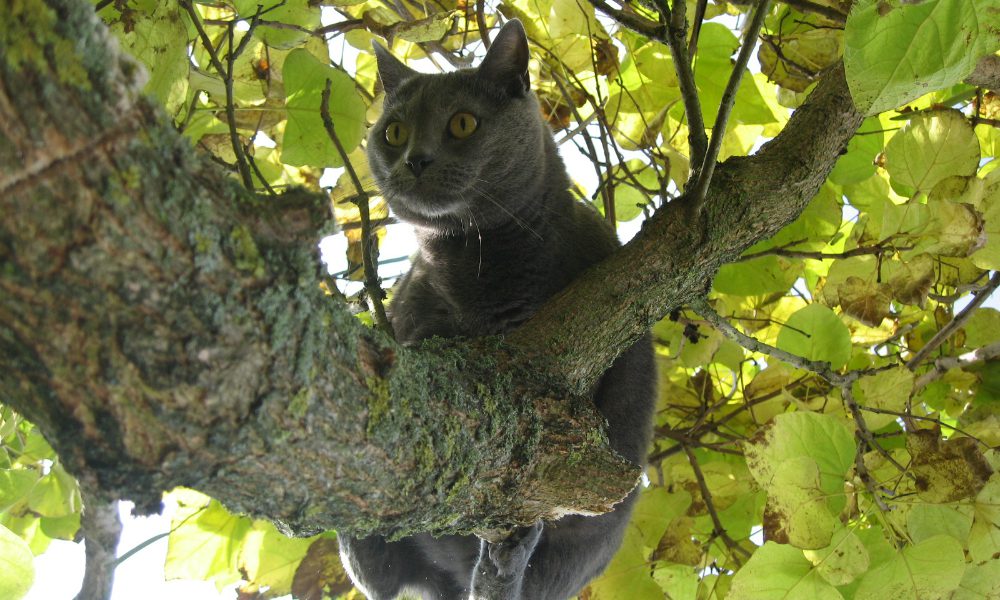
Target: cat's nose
[(417, 164)]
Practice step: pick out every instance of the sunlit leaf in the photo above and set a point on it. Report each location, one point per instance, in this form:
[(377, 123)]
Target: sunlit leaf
[(778, 572), (306, 141), (816, 333), (17, 571), (897, 50), (930, 147)]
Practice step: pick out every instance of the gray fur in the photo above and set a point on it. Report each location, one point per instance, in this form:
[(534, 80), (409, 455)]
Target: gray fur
[(498, 235)]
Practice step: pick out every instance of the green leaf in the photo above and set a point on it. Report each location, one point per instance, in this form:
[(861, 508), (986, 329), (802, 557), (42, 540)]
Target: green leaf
[(816, 333), (979, 582), (843, 560), (801, 460), (984, 537), (269, 559), (55, 494), (321, 572), (932, 146), (204, 542), (780, 572), (627, 577), (757, 276), (927, 520), (929, 570), (888, 390), (988, 257), (15, 485), (896, 51), (61, 528), (713, 64), (302, 14), (159, 38), (17, 569), (306, 141)]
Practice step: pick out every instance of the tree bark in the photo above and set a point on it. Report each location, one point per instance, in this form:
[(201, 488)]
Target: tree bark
[(163, 327)]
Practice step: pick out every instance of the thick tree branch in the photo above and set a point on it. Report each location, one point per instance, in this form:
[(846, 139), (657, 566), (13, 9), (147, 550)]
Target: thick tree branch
[(671, 262), (163, 326)]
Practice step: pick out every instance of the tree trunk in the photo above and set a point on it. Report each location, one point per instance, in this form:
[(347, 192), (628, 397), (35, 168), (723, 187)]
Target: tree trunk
[(163, 327)]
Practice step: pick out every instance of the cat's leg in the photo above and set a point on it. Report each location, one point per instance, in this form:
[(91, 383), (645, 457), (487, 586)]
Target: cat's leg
[(375, 566), (499, 572), (573, 551), (383, 570)]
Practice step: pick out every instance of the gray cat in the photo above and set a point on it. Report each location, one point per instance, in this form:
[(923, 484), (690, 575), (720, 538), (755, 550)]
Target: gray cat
[(467, 158)]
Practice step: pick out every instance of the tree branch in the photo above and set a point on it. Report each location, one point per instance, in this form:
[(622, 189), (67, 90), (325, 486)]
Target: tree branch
[(704, 168), (169, 329), (670, 262), (945, 332), (369, 248)]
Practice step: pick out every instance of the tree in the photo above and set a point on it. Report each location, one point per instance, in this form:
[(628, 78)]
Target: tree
[(826, 377)]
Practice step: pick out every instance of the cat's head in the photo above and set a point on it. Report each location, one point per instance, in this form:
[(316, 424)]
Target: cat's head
[(463, 150)]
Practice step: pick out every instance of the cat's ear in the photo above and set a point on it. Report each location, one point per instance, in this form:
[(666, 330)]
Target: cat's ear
[(391, 71), (507, 59)]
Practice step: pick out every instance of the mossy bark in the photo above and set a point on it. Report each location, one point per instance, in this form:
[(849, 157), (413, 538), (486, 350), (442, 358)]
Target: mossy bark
[(163, 327)]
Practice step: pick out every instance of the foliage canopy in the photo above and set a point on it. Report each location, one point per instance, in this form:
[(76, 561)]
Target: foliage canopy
[(837, 394)]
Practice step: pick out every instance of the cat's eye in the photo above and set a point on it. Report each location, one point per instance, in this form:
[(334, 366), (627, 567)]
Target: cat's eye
[(462, 125), (396, 133)]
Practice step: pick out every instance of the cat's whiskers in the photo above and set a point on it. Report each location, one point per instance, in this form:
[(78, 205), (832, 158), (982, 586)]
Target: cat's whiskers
[(515, 218), (479, 235)]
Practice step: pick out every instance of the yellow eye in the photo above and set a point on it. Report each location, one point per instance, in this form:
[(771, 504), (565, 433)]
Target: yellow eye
[(462, 125), (397, 133)]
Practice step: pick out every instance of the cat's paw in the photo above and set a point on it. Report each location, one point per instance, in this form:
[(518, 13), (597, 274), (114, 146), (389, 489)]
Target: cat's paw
[(511, 555)]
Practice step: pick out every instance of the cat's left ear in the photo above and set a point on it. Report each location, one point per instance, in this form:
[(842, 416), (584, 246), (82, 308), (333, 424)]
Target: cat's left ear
[(507, 59), (391, 71)]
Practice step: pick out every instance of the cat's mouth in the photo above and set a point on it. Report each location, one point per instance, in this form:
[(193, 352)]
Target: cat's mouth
[(427, 200)]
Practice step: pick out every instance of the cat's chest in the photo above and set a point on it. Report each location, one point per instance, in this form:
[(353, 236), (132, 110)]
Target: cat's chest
[(463, 293)]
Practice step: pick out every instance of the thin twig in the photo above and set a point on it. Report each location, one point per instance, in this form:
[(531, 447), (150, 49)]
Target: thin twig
[(805, 6), (484, 33), (943, 365), (609, 204), (859, 251), (704, 174), (677, 40), (822, 369), (945, 332), (720, 530), (226, 73), (375, 293)]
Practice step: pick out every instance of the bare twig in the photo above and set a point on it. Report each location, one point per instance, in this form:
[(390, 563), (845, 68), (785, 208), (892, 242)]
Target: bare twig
[(720, 529), (632, 21), (226, 73), (375, 293), (943, 365), (606, 194), (484, 33), (805, 6), (956, 323), (707, 168), (677, 40), (822, 369), (859, 251)]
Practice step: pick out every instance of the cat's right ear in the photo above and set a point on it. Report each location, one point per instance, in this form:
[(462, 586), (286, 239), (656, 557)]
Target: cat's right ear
[(391, 71)]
